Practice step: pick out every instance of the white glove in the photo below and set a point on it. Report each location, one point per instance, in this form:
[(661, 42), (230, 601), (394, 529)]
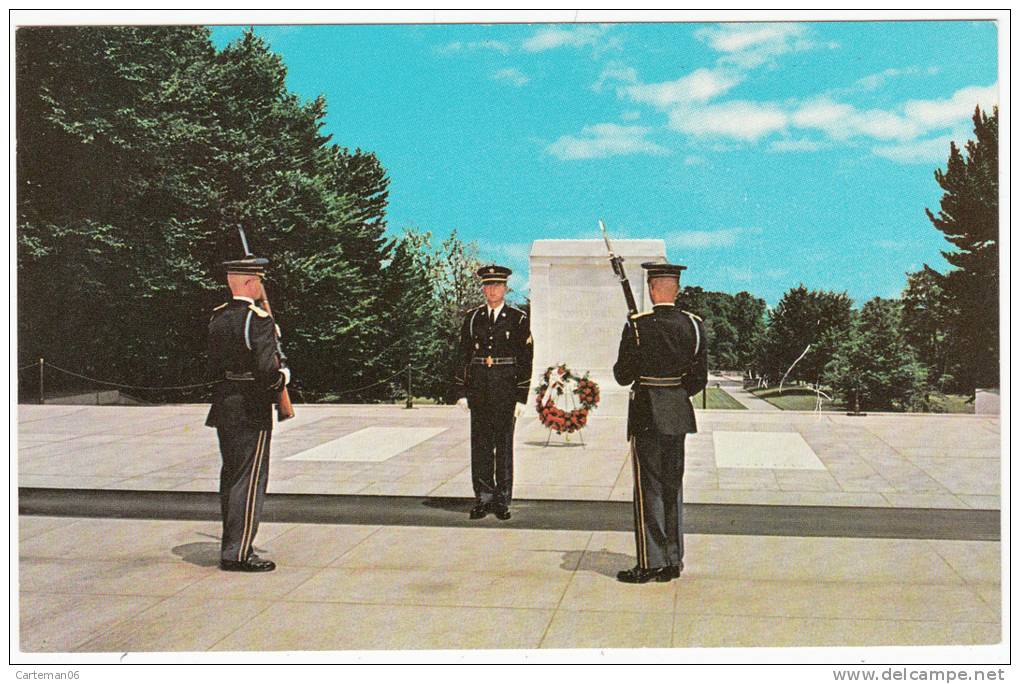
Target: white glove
[(462, 403), (286, 375), (519, 410)]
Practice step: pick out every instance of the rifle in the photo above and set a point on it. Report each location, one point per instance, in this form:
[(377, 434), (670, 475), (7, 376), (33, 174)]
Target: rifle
[(617, 262), (284, 407)]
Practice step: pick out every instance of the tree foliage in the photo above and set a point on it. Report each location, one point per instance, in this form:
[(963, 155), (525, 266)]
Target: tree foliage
[(140, 152), (734, 325), (872, 366), (927, 318), (448, 277), (801, 318), (968, 217)]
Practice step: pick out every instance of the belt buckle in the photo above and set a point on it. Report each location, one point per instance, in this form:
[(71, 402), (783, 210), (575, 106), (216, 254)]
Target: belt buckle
[(488, 361)]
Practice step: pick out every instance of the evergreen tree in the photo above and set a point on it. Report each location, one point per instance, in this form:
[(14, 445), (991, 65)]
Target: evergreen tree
[(872, 367), (969, 219)]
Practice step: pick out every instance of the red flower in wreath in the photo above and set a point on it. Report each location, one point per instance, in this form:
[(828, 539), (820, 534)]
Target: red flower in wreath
[(585, 390)]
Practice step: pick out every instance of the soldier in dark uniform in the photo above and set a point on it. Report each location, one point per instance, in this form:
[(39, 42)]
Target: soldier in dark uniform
[(493, 381), (663, 356), (245, 356)]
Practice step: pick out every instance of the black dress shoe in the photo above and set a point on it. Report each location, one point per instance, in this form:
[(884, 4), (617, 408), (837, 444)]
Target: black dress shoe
[(501, 512), (478, 511), (673, 571), (639, 575), (253, 564)]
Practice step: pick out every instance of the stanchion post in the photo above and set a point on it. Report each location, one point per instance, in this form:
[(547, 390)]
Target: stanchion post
[(704, 398), (409, 403), (42, 393)]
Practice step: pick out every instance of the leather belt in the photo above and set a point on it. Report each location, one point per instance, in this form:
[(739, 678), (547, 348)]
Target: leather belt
[(494, 360), (238, 376), (654, 381)]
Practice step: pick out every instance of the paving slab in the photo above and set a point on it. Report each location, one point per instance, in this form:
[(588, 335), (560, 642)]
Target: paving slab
[(765, 457), (348, 587)]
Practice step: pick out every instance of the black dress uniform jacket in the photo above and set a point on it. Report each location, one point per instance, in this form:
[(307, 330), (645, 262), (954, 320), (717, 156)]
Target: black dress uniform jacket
[(243, 345), (508, 343), (664, 356)]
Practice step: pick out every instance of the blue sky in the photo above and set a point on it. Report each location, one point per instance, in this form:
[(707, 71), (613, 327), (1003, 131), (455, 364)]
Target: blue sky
[(765, 155)]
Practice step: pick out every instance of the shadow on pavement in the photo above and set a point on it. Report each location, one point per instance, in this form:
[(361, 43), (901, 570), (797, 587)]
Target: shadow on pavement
[(606, 563), (202, 554), (449, 503)]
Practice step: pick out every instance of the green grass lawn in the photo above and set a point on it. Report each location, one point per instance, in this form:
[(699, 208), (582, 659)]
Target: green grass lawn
[(803, 399), (952, 403), (717, 399), (795, 399)]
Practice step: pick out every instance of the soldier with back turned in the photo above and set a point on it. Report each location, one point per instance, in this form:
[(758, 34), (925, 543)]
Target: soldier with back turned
[(664, 357), (246, 359)]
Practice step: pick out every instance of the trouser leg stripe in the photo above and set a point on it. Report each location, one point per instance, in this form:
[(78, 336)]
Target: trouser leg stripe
[(249, 503)]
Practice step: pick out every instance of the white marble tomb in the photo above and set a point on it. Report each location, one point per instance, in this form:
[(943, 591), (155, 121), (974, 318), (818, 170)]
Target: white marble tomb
[(578, 308)]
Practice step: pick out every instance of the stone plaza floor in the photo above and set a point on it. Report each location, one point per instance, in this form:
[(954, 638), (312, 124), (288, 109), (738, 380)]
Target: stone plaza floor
[(112, 585), (912, 461), (120, 586)]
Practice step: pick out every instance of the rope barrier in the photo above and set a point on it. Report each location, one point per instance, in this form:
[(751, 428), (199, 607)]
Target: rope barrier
[(349, 391), (125, 386), (419, 371), (428, 376)]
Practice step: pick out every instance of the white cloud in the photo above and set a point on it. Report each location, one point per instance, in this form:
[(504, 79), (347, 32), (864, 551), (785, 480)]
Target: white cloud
[(615, 72), (735, 119), (877, 80), (694, 160), (740, 37), (707, 239), (458, 46), (497, 252), (906, 122), (843, 121), (511, 75), (751, 45), (630, 115), (700, 85), (552, 38), (927, 151), (605, 140), (960, 106)]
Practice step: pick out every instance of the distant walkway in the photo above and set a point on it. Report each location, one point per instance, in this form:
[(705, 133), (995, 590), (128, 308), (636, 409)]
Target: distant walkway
[(735, 389)]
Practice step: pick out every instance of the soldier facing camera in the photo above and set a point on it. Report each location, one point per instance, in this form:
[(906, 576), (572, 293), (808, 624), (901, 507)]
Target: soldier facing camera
[(493, 381)]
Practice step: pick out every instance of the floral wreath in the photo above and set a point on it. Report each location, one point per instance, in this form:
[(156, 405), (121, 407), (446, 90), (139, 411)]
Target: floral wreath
[(553, 385)]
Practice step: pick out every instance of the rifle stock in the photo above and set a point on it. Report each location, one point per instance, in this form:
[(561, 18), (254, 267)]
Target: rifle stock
[(284, 407)]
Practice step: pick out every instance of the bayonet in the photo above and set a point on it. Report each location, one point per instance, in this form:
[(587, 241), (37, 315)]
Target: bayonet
[(617, 263)]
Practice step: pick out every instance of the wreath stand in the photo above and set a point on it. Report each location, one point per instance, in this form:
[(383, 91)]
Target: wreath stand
[(581, 398), (566, 436)]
